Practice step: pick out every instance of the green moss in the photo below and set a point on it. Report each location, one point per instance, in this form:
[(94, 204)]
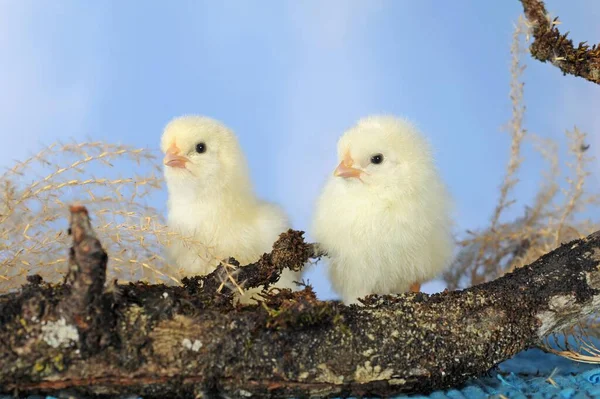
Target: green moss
[(338, 322), (58, 362), (298, 310)]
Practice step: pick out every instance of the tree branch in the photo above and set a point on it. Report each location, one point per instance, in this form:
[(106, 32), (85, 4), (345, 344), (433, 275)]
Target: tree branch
[(289, 251), (550, 45), (160, 341)]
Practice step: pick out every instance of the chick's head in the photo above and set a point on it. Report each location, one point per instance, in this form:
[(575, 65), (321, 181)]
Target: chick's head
[(202, 153), (384, 152)]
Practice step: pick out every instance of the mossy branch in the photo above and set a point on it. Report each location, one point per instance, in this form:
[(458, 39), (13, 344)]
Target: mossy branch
[(289, 251), (159, 341), (550, 45)]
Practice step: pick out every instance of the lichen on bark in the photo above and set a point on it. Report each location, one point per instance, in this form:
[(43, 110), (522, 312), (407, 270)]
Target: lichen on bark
[(158, 341)]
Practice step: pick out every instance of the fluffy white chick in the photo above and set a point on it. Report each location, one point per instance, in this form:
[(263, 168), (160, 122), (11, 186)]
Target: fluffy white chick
[(211, 199), (384, 217)]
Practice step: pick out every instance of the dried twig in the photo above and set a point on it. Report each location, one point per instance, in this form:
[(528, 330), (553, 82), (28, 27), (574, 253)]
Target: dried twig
[(550, 45)]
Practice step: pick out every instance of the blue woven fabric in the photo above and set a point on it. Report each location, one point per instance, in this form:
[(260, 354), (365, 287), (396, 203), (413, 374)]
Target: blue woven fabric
[(527, 376), (524, 376)]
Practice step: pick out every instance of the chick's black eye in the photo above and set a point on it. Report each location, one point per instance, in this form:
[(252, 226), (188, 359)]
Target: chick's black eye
[(377, 158), (200, 148)]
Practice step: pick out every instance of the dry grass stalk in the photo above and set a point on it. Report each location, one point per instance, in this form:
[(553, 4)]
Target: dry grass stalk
[(504, 246), (554, 217), (576, 344), (517, 133), (474, 263), (33, 202)]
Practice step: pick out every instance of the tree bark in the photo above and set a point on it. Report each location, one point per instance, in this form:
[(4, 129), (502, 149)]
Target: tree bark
[(550, 45), (187, 341)]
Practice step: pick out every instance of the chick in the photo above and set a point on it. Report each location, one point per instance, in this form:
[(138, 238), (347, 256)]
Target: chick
[(384, 217), (211, 199)]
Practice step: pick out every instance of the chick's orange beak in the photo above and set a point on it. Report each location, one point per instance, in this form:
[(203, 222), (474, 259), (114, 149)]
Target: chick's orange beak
[(345, 169), (173, 159)]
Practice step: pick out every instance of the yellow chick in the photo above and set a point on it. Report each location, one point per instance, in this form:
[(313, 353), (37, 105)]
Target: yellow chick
[(211, 199), (384, 217)]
